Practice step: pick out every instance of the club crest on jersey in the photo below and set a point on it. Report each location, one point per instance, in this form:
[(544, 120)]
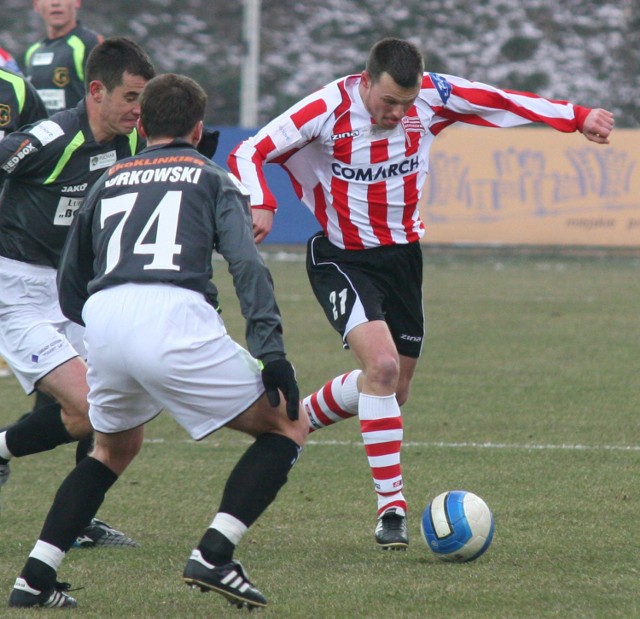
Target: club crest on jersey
[(442, 86), (412, 123), (61, 76), (5, 115)]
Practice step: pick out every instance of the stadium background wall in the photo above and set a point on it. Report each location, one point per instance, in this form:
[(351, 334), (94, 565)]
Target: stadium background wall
[(530, 186)]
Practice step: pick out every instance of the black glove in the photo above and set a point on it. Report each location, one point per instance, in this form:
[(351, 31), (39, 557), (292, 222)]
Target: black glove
[(279, 374), (208, 143)]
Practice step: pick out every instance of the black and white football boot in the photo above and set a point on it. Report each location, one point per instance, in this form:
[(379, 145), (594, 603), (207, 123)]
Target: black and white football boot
[(24, 596), (391, 530), (229, 580)]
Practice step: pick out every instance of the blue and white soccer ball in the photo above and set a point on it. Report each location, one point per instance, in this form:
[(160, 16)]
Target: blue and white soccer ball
[(457, 526)]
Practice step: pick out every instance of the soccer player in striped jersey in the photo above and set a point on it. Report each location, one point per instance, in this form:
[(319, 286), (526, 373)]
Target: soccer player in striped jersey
[(357, 151)]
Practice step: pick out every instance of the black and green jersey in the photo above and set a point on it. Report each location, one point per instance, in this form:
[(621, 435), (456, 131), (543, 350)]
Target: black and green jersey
[(56, 67), (156, 218), (19, 103), (47, 169)]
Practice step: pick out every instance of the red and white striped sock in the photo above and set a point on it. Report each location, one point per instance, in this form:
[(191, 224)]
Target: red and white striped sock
[(381, 427), (337, 400)]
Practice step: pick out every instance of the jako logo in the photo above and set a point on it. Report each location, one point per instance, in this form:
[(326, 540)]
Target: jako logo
[(74, 188)]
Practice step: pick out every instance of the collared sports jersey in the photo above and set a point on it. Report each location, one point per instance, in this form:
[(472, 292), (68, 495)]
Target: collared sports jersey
[(19, 103), (362, 182), (157, 218), (56, 67), (47, 169)]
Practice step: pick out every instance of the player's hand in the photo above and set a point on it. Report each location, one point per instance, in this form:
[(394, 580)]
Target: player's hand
[(280, 375), (208, 143), (262, 223), (598, 125)]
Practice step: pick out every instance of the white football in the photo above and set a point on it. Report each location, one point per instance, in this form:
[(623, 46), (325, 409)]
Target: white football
[(457, 526)]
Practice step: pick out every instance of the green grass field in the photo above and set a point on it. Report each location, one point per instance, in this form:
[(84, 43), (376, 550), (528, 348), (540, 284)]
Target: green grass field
[(528, 394)]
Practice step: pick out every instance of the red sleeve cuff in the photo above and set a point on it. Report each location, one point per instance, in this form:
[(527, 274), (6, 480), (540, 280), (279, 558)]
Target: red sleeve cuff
[(581, 114)]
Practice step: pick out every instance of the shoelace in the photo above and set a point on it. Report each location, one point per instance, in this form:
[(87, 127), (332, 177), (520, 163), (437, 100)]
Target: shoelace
[(65, 587)]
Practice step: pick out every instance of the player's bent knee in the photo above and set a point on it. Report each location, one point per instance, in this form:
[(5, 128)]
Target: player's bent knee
[(384, 371), (78, 426)]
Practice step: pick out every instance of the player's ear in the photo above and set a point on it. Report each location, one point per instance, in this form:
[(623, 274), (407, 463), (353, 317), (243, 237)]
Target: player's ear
[(96, 90), (141, 130), (197, 132)]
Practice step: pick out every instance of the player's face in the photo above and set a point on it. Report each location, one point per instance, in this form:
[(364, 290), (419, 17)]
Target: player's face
[(119, 109), (59, 15), (386, 102)]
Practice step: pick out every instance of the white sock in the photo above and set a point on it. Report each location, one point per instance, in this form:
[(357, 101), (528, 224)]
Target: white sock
[(48, 553), (229, 526)]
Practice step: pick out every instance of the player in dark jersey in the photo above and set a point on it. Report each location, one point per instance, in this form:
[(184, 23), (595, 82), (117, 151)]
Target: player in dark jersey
[(139, 253), (20, 104), (47, 169), (56, 64)]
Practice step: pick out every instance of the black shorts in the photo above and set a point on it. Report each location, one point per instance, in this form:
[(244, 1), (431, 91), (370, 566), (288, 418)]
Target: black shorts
[(382, 283)]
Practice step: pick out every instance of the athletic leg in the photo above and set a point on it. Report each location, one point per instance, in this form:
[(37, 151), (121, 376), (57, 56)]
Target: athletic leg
[(75, 504), (251, 487)]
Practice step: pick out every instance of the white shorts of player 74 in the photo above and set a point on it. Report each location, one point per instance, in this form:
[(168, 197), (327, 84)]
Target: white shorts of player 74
[(152, 347)]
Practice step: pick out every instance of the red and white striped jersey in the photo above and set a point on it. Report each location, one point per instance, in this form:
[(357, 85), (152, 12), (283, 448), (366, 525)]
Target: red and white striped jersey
[(362, 182)]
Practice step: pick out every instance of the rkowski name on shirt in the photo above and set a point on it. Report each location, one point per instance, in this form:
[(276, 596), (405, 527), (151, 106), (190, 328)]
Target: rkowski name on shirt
[(173, 174)]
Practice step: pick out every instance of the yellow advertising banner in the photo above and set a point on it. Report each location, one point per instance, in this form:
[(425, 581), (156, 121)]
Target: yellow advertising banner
[(532, 186)]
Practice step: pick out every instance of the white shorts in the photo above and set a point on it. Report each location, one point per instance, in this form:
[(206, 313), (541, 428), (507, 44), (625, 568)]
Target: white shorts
[(155, 346), (35, 337)]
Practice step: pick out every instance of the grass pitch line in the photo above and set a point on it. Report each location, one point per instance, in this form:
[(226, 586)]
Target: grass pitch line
[(454, 445), (489, 445)]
